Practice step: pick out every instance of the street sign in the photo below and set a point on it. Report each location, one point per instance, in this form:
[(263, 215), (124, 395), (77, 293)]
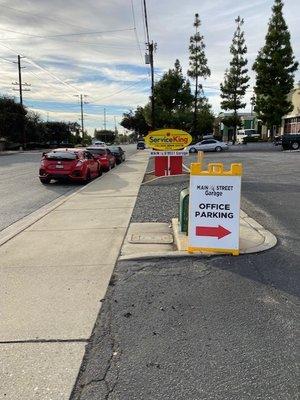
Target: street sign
[(214, 209), (169, 153), (168, 139)]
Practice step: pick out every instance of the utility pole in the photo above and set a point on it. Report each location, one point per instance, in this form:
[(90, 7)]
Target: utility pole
[(116, 130), (252, 102), (82, 102), (151, 47), (104, 118), (20, 84), (20, 80), (81, 108)]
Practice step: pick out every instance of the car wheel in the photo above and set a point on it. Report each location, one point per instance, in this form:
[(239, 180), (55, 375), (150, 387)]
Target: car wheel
[(218, 148), (193, 150), (88, 177), (295, 145), (45, 181), (113, 166), (99, 171)]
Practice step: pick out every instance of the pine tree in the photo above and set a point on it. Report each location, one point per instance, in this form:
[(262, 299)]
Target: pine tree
[(274, 66), (236, 79), (198, 66)]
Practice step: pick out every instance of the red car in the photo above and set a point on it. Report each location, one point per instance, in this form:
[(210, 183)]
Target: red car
[(73, 164), (105, 157)]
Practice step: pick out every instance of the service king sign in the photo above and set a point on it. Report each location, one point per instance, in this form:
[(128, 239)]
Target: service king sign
[(168, 139), (214, 213)]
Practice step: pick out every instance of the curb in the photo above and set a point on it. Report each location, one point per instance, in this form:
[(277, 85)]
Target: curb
[(169, 254), (163, 177), (269, 241)]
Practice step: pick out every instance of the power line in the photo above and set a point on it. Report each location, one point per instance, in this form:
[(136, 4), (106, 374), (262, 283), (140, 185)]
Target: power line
[(70, 86), (135, 32), (47, 84), (39, 16), (64, 34), (51, 74), (43, 69), (5, 59), (120, 91)]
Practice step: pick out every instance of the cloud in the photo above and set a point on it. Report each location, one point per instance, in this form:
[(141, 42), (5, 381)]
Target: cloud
[(103, 64)]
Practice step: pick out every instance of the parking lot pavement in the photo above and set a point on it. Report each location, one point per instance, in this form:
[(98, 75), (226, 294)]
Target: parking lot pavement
[(219, 328), (52, 278)]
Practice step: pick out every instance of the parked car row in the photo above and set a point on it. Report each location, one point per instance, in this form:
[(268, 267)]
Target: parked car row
[(79, 164)]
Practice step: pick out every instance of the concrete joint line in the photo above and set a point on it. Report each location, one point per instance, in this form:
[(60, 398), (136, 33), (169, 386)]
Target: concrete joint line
[(38, 341), (162, 177)]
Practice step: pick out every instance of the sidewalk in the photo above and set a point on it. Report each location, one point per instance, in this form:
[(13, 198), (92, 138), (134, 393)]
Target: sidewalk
[(52, 278)]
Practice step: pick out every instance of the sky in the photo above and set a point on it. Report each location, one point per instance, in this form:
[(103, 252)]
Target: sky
[(96, 48)]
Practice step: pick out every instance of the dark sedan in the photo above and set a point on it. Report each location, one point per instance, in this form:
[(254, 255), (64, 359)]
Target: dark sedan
[(118, 152)]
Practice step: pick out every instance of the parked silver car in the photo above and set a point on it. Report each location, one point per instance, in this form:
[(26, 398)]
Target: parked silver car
[(207, 145)]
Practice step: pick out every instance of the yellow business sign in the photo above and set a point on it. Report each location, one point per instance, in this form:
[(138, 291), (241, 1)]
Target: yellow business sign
[(168, 139)]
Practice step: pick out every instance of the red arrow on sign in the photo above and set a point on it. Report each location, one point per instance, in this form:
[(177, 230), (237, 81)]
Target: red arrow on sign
[(215, 231)]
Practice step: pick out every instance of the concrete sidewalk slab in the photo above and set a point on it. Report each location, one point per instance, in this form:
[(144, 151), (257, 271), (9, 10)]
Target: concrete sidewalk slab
[(39, 371), (53, 303), (98, 203), (62, 248), (149, 228), (126, 185), (63, 219)]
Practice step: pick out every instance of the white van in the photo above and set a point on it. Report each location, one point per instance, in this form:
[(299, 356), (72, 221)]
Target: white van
[(242, 133)]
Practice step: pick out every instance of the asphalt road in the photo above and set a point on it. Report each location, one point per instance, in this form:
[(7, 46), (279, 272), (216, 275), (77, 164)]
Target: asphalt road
[(218, 328), (21, 193)]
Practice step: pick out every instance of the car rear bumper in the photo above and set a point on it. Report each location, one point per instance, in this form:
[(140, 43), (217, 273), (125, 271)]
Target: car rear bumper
[(74, 176), (104, 164)]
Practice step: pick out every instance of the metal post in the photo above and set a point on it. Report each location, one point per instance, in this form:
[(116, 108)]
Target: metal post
[(82, 126)]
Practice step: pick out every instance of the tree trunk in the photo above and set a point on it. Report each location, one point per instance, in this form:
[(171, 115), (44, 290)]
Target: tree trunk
[(195, 108), (234, 128)]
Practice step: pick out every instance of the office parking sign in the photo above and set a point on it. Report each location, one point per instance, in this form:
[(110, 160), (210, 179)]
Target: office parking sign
[(214, 209)]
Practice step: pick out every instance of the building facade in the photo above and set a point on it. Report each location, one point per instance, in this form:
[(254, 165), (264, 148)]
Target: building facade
[(248, 121), (291, 122)]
